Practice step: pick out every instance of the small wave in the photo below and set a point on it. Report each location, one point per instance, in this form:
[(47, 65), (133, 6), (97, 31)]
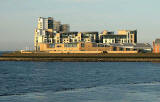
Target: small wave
[(16, 94), (4, 73), (145, 83), (90, 87), (74, 89), (58, 90), (65, 89)]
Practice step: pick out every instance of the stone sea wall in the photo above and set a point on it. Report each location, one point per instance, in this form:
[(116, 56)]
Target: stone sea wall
[(139, 57)]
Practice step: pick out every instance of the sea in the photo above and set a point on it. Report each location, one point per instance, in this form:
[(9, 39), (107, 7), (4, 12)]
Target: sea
[(79, 81)]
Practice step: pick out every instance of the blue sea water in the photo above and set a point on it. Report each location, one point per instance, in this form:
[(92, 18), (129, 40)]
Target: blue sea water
[(79, 82)]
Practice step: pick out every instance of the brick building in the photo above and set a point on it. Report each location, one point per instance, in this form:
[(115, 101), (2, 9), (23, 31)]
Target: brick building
[(156, 46)]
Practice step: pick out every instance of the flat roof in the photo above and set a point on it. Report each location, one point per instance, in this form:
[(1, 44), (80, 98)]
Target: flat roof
[(113, 36)]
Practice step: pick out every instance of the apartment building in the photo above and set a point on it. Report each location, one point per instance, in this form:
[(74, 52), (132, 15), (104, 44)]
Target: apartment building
[(123, 36), (89, 36), (46, 31), (68, 37), (73, 37), (51, 33), (45, 23)]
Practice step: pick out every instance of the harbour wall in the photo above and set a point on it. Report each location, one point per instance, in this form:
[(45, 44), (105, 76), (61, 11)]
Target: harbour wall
[(139, 57)]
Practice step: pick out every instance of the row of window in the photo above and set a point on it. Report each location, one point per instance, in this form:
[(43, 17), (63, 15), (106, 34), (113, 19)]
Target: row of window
[(120, 49), (115, 41), (70, 45), (99, 45)]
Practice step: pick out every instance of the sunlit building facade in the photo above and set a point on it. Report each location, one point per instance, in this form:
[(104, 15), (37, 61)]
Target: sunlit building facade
[(58, 37), (123, 36)]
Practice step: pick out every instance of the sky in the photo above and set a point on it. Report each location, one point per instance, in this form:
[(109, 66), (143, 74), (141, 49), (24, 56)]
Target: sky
[(18, 18)]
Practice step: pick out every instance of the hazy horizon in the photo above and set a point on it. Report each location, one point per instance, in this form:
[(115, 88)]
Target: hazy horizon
[(19, 18)]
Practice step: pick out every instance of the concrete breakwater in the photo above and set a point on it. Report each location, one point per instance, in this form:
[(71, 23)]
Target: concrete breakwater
[(140, 57), (83, 59)]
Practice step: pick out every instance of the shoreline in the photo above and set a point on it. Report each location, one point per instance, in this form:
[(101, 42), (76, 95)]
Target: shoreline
[(82, 59), (44, 57)]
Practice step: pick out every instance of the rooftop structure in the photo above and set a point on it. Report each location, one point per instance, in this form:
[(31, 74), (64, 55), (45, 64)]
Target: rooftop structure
[(64, 28), (57, 26)]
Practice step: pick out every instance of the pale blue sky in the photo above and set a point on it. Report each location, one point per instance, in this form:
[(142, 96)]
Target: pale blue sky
[(18, 18)]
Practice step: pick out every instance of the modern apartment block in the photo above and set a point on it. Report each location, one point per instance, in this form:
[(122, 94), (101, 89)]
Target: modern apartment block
[(46, 31), (123, 36), (50, 31), (45, 23), (58, 37), (74, 37), (68, 37), (156, 46)]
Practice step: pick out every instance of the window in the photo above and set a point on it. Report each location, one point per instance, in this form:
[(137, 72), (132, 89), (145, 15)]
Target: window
[(114, 48), (94, 45), (70, 40), (127, 49), (70, 45), (121, 49), (58, 45), (100, 45), (82, 44), (38, 48), (51, 46)]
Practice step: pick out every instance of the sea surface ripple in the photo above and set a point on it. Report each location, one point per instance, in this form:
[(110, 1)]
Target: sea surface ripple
[(79, 82)]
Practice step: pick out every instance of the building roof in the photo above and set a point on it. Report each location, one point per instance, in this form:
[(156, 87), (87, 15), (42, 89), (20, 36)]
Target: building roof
[(128, 44), (69, 33), (115, 44), (89, 32), (142, 45), (114, 36)]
